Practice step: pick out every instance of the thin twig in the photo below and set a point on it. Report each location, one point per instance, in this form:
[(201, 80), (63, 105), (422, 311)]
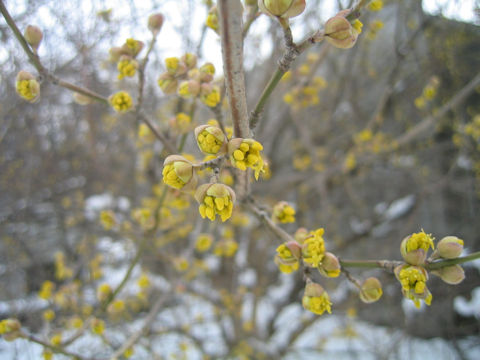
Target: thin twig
[(132, 340)]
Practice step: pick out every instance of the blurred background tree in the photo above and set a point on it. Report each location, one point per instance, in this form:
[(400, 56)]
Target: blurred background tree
[(99, 260)]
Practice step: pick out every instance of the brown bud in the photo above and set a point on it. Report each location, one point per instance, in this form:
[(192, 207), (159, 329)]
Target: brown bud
[(155, 22), (371, 290), (452, 275), (330, 266), (282, 8), (450, 247), (340, 33), (33, 35)]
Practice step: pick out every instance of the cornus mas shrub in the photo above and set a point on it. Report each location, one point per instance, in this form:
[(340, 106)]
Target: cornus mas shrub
[(202, 203)]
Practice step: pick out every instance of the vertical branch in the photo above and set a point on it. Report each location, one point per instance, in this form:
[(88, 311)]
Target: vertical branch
[(231, 32)]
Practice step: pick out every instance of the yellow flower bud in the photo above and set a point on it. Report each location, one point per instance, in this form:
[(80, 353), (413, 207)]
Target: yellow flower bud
[(330, 266), (225, 248), (282, 8), (375, 5), (189, 89), (33, 35), (206, 72), (283, 213), (313, 248), (98, 326), (212, 19), (371, 290), (414, 247), (209, 94), (168, 83), (179, 173), (211, 139), (203, 242), (27, 86), (132, 47), (175, 66), (245, 153), (103, 292), (10, 329), (121, 101), (190, 60), (450, 247), (316, 299), (127, 67), (215, 199), (413, 280)]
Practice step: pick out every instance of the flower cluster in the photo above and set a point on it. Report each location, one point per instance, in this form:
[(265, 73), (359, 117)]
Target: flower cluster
[(121, 101), (215, 199), (283, 213), (413, 275), (183, 76), (309, 248), (245, 153)]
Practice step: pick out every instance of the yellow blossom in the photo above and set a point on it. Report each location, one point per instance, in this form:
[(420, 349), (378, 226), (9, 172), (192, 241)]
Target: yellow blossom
[(126, 67), (181, 264), (48, 315), (212, 19), (210, 139), (143, 281), (203, 242), (27, 86), (179, 173), (107, 219), (56, 339), (210, 95), (225, 247), (121, 101), (313, 249), (283, 213), (375, 5), (46, 290), (215, 199), (316, 299), (413, 280), (98, 326), (357, 25), (245, 153)]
